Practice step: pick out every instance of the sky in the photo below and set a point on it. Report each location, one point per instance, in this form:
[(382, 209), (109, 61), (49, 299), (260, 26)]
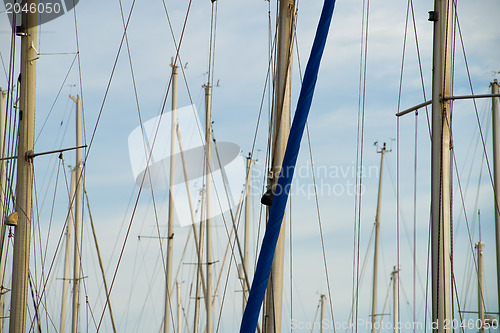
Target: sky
[(111, 113)]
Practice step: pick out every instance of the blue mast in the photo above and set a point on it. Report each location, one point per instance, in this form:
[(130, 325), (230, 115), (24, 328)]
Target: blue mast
[(266, 255)]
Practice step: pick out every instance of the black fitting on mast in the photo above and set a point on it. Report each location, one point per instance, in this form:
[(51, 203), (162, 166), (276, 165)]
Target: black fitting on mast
[(20, 31), (433, 16), (267, 198)]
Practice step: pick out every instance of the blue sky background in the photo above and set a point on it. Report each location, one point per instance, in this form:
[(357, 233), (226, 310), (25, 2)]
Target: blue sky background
[(241, 59)]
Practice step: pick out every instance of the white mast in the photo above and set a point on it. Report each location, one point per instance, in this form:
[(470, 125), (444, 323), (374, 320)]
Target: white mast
[(440, 171), (29, 54), (3, 206), (67, 257), (208, 208), (395, 297), (496, 175), (78, 215), (377, 236), (281, 129), (170, 232)]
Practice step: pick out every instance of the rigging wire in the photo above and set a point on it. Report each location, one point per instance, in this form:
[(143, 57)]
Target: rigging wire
[(407, 300), (473, 160), (409, 3), (101, 266), (316, 200), (321, 231), (291, 262), (34, 231), (428, 264), (468, 273), (497, 209), (454, 286), (316, 316), (398, 207), (77, 40), (452, 151), (409, 239), (410, 7), (12, 121), (226, 230), (213, 35), (142, 269), (225, 287), (38, 233), (233, 220), (51, 214), (142, 130), (223, 263), (82, 271), (176, 47), (37, 318), (359, 153), (137, 103), (47, 177), (267, 85), (10, 81), (43, 254), (56, 98), (415, 221), (150, 278), (46, 280), (3, 66), (362, 274), (417, 46), (132, 284), (143, 178), (466, 221), (385, 304), (231, 213), (291, 198)]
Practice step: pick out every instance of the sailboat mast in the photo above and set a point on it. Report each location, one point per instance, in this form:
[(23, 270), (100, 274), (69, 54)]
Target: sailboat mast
[(208, 198), (67, 257), (440, 170), (377, 237), (496, 175), (28, 33), (78, 215), (170, 231), (281, 129)]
